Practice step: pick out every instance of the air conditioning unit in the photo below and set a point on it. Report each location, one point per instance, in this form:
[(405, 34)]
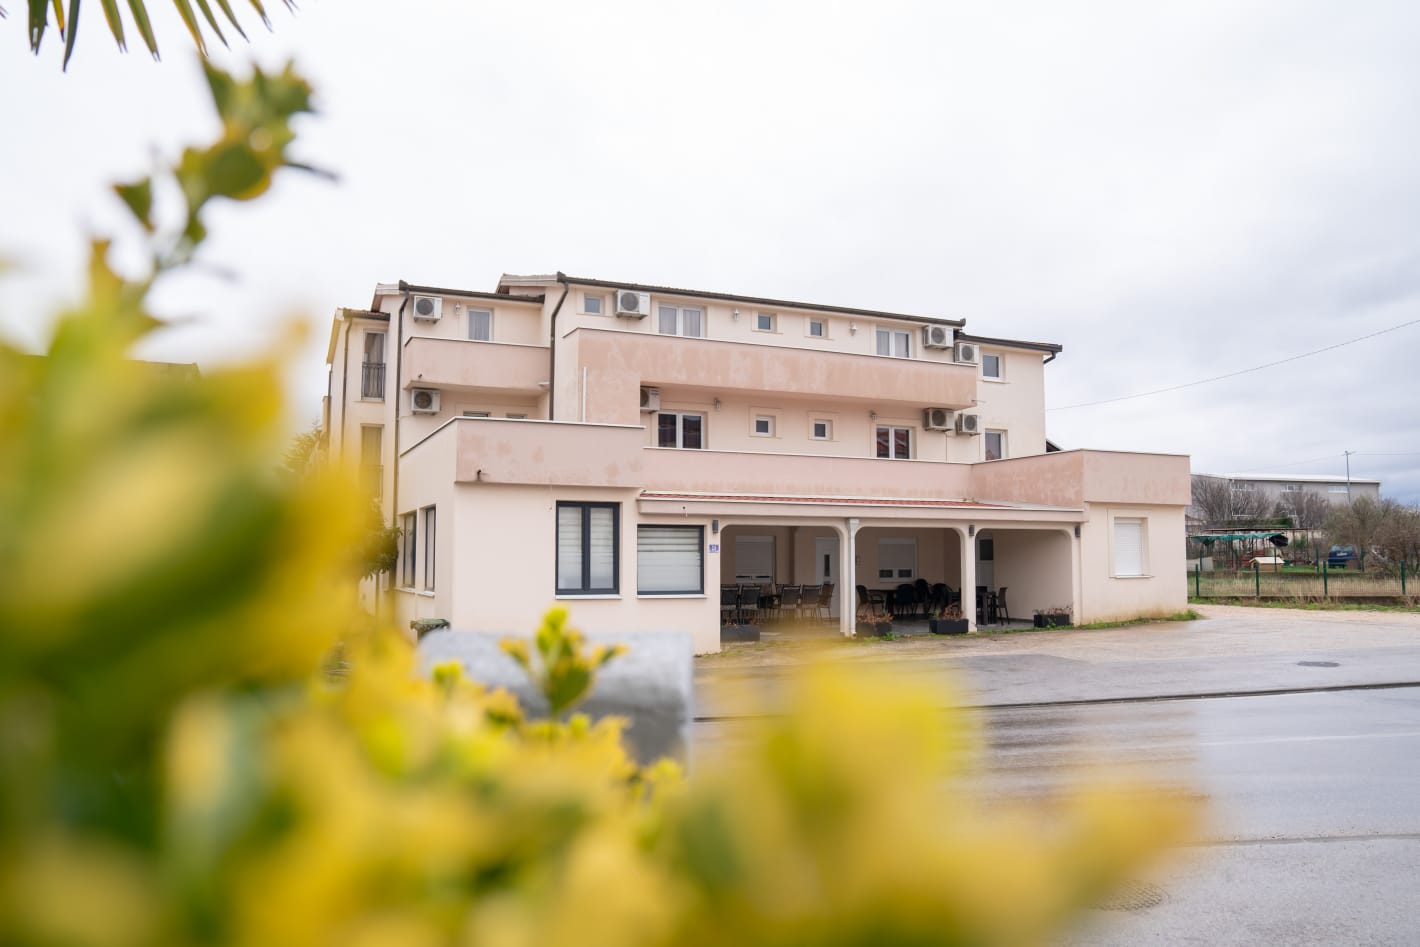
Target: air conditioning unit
[(968, 423), (968, 353), (936, 337), (650, 400), (424, 400), (632, 305), (428, 308), (937, 419)]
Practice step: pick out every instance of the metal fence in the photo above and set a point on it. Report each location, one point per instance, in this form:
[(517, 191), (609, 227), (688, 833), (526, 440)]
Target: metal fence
[(1323, 584)]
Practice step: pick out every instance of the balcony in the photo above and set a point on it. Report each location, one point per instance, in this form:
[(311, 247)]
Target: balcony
[(754, 474), (617, 362), (372, 380), (490, 366)]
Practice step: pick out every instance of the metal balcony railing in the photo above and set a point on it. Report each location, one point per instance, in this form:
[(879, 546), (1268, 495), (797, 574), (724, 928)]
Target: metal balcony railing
[(372, 380)]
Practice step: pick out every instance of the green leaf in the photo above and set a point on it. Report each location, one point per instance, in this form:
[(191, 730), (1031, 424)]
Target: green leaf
[(71, 34), (145, 28), (234, 170), (206, 9), (139, 198), (189, 20), (115, 23), (232, 17), (261, 12), (39, 19)]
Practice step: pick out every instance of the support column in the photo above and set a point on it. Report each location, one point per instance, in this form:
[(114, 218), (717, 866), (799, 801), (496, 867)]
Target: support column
[(1077, 577), (968, 577), (848, 573)]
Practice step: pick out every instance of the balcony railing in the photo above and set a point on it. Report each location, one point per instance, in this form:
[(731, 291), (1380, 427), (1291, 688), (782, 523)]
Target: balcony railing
[(372, 380)]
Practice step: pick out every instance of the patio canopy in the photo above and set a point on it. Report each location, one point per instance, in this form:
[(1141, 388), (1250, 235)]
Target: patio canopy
[(1208, 538)]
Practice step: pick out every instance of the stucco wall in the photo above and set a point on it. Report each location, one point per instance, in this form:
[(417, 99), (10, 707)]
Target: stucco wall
[(1015, 403), (1035, 567), (1163, 590)]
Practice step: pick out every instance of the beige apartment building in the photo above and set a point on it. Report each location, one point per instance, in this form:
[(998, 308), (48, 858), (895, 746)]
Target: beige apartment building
[(626, 449)]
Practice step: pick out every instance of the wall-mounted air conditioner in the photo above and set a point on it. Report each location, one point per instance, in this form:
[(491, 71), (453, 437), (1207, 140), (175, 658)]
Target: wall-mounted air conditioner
[(632, 305), (650, 400), (936, 337), (424, 400), (967, 353), (937, 419), (968, 423), (428, 308)]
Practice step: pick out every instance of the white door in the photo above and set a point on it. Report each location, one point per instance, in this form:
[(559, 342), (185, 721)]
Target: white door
[(826, 568)]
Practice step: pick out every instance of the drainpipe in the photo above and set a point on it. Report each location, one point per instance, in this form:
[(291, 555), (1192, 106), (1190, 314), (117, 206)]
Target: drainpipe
[(552, 348), (344, 387), (1050, 358), (398, 378)]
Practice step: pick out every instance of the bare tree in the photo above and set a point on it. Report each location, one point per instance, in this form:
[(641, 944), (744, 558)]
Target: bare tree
[(1398, 538), (1219, 504), (1308, 510), (1357, 524)]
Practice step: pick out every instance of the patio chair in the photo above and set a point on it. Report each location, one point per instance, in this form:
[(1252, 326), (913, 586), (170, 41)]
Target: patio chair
[(749, 603), (939, 598), (729, 604), (1002, 612), (769, 601), (870, 603), (904, 602), (809, 601), (790, 597), (923, 591), (823, 608)]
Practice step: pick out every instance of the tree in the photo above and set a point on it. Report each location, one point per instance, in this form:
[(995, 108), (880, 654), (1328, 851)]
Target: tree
[(1308, 510), (1398, 537), (68, 26), (1357, 524), (1219, 504)]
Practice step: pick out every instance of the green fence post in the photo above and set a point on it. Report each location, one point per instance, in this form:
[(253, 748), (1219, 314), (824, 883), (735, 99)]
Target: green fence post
[(1198, 580), (1256, 580), (1323, 580), (1402, 577)]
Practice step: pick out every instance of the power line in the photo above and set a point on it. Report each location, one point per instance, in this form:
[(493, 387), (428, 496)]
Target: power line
[(1241, 371)]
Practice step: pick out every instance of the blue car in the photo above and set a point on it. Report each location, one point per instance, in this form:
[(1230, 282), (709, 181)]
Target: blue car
[(1340, 556)]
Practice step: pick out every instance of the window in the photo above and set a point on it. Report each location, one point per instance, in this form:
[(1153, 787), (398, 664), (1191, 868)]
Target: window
[(670, 560), (986, 549), (818, 329), (372, 370), (371, 460), (476, 414), (995, 442), (990, 366), (895, 443), (1337, 488), (764, 322), (897, 558), (822, 430), (410, 537), (679, 320), (754, 559), (588, 548), (591, 305), (680, 430), (764, 425), (1128, 547), (429, 548), (894, 342), (480, 325), (517, 417)]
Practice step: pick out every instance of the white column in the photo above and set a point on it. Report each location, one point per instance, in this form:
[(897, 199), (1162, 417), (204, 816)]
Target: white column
[(848, 573), (968, 578)]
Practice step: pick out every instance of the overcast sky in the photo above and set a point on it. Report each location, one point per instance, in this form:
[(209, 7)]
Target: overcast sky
[(1172, 195)]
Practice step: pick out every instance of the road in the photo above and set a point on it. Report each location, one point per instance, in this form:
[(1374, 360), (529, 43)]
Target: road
[(1302, 730)]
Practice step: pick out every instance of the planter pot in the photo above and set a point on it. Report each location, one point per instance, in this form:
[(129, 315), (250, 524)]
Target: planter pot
[(739, 633), (948, 626), (873, 629), (1052, 621)]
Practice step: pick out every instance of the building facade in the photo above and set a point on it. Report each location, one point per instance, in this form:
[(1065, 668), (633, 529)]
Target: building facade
[(626, 449)]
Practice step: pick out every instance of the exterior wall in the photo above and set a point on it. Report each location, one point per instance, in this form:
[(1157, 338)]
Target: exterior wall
[(1163, 590), (1034, 566), (1014, 403), (1333, 491)]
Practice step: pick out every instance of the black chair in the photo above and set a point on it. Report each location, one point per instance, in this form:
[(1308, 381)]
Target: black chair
[(1002, 612), (790, 598), (823, 608), (939, 598), (904, 602), (870, 602), (749, 603), (769, 601), (922, 591), (729, 603), (808, 602)]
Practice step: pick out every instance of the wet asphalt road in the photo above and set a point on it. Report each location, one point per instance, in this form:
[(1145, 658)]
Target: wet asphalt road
[(1313, 794)]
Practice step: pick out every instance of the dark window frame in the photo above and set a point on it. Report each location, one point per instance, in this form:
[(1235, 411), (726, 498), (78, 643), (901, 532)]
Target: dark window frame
[(586, 507), (700, 546)]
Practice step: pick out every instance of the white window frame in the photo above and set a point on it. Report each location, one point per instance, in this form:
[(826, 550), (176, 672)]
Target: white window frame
[(677, 316), (577, 516), (901, 564), (1124, 532), (986, 436), (827, 429), (590, 300), (769, 425), (409, 527), (473, 333), (680, 417), (1000, 374), (893, 430), (430, 537), (1336, 488), (666, 556), (478, 414), (766, 322), (887, 339), (518, 417), (823, 329)]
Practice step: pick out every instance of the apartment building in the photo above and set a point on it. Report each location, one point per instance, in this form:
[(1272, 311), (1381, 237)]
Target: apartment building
[(624, 449)]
